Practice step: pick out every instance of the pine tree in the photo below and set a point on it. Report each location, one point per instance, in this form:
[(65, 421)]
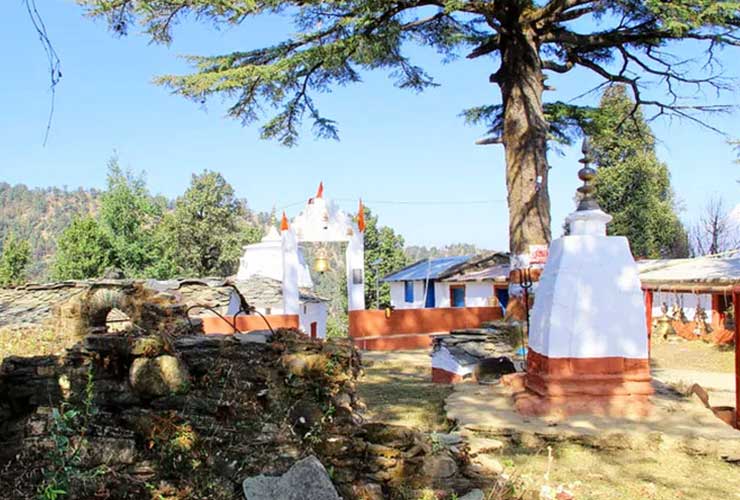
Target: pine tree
[(207, 229), (16, 255), (632, 184), (383, 254), (84, 251), (620, 41), (129, 214)]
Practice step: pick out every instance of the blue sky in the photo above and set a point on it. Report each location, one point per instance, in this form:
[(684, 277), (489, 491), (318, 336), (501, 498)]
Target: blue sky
[(395, 145)]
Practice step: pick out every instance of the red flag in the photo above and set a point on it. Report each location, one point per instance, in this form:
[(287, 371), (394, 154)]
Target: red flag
[(284, 226), (361, 218), (320, 192)]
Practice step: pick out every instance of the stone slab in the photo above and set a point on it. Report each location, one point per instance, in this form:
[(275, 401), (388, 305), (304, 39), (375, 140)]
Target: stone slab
[(676, 422)]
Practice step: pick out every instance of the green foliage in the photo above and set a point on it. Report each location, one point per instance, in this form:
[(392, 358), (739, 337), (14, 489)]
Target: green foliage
[(336, 40), (65, 460), (14, 260), (383, 255), (129, 214), (632, 184), (206, 231), (39, 216), (84, 250), (415, 252)]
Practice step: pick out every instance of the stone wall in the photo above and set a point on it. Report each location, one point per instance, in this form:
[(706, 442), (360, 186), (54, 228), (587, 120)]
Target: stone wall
[(164, 413)]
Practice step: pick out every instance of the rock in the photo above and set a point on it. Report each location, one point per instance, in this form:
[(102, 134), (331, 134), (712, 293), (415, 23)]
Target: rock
[(158, 376), (259, 337), (306, 480), (473, 495), (481, 445), (488, 465), (149, 346), (367, 491), (448, 439), (439, 466)]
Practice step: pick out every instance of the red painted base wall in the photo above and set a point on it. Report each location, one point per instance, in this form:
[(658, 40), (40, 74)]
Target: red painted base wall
[(411, 328), (214, 324)]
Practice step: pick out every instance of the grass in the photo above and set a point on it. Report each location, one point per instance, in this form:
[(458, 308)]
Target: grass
[(627, 474), (32, 341), (397, 388), (693, 355)]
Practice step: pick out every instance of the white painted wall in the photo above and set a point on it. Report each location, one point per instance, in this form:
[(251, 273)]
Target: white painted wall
[(589, 301), (314, 311), (689, 301), (266, 259), (398, 295), (477, 294)]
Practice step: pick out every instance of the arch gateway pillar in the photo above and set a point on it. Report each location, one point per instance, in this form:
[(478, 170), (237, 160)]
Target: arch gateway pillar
[(322, 221)]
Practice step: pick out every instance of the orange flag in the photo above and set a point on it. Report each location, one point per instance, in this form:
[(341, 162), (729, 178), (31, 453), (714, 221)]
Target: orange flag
[(284, 226), (361, 218), (320, 192)]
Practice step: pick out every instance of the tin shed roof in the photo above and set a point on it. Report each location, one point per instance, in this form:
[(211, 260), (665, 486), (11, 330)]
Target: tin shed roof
[(427, 268)]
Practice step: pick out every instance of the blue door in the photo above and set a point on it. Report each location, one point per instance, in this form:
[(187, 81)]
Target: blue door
[(430, 302), (457, 295), (502, 294)]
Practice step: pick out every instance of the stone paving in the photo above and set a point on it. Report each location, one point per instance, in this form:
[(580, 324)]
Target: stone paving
[(676, 422)]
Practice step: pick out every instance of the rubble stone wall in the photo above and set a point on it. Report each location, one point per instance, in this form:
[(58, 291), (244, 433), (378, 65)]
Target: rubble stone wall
[(162, 412)]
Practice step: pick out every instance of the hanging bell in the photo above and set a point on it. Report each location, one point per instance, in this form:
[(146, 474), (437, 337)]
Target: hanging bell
[(321, 264)]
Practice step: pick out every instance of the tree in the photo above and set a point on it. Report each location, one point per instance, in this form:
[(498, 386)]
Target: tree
[(14, 260), (383, 255), (129, 215), (84, 250), (635, 42), (715, 232), (207, 230), (632, 184)]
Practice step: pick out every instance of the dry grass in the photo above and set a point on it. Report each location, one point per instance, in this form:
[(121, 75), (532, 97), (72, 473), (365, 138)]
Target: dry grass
[(32, 341), (397, 389), (693, 355), (628, 474)]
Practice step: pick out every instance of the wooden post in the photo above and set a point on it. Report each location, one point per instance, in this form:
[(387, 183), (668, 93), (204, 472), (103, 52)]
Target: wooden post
[(649, 317), (736, 298)]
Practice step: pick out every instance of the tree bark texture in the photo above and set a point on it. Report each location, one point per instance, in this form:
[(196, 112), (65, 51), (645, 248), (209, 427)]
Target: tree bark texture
[(520, 79)]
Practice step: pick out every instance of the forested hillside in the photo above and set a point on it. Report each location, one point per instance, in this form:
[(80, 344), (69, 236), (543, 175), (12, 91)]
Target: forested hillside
[(39, 216), (415, 252)]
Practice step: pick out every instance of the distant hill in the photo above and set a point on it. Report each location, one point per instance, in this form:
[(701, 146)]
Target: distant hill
[(415, 252), (40, 215)]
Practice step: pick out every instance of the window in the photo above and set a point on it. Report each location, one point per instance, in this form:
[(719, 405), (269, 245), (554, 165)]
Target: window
[(457, 295), (408, 291)]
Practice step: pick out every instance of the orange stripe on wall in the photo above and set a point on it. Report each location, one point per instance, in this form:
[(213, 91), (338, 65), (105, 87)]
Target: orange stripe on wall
[(214, 324), (373, 323)]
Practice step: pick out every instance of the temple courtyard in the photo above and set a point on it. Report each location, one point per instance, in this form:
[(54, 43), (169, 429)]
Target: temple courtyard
[(681, 451)]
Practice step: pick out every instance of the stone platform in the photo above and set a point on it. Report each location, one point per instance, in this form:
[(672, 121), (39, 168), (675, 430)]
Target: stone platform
[(676, 422)]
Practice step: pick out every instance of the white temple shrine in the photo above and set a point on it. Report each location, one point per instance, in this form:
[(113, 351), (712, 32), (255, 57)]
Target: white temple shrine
[(279, 257)]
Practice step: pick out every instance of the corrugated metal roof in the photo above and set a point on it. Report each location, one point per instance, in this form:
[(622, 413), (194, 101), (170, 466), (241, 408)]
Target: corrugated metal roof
[(700, 271), (427, 268), (498, 272)]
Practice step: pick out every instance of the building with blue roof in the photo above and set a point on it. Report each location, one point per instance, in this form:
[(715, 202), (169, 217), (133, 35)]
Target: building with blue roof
[(458, 281)]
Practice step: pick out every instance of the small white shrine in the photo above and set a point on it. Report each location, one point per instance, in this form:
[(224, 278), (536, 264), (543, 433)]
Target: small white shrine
[(588, 342), (279, 256)]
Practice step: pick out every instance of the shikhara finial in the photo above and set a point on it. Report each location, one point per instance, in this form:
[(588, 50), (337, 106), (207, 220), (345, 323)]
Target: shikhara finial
[(587, 174)]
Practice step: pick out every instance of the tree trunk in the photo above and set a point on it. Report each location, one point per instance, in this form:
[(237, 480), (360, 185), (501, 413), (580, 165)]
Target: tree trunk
[(525, 141)]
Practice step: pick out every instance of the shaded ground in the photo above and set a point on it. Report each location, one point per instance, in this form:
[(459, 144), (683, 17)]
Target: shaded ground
[(398, 389)]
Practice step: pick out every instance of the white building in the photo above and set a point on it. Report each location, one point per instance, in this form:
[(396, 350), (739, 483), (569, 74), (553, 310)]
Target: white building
[(260, 278), (461, 281)]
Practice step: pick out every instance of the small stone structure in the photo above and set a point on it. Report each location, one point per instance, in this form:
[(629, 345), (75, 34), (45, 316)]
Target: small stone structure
[(472, 354)]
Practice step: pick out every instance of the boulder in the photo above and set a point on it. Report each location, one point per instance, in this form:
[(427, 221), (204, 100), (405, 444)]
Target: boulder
[(160, 376), (306, 480)]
